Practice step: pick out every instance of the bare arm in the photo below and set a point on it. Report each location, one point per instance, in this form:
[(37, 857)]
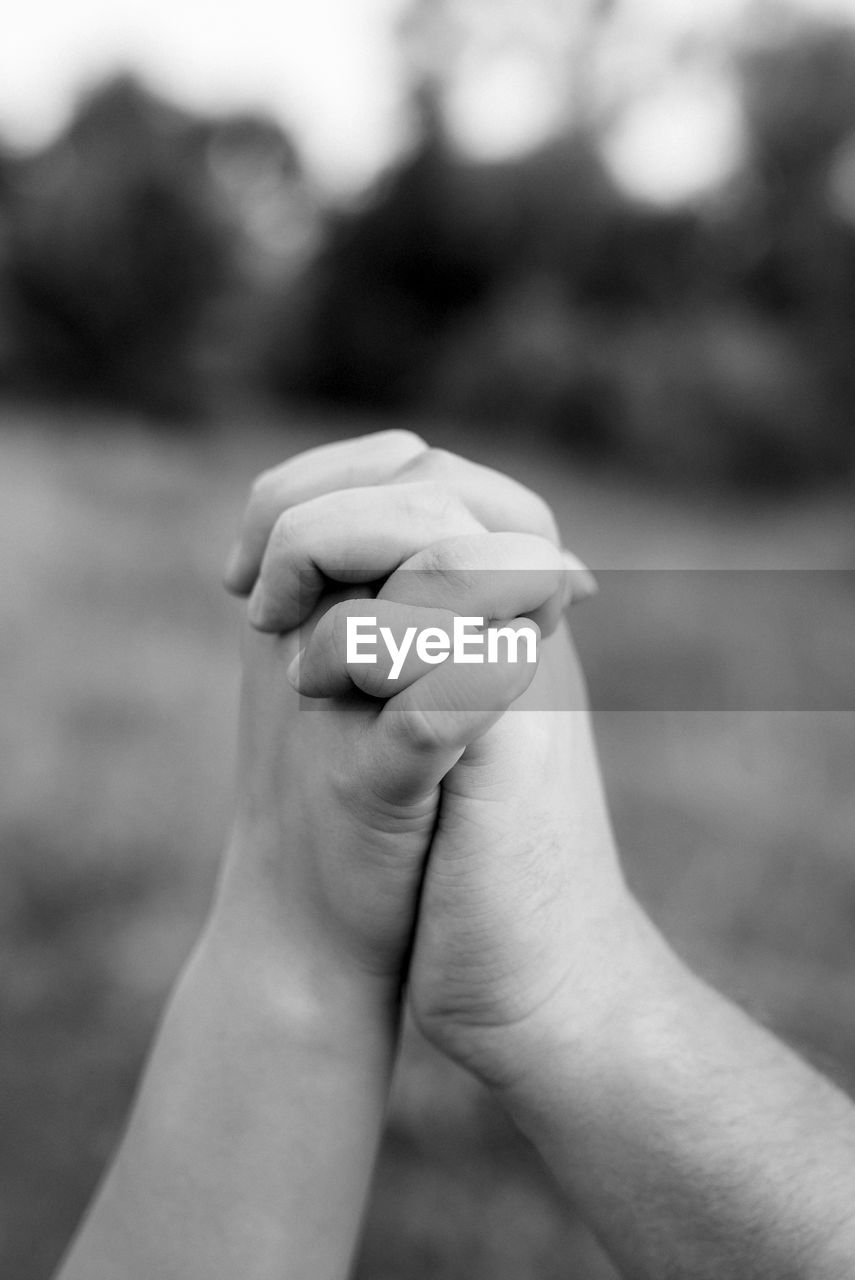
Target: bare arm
[(251, 1144), (250, 1148), (693, 1141)]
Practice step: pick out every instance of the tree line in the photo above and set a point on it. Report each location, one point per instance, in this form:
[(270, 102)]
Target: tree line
[(152, 257)]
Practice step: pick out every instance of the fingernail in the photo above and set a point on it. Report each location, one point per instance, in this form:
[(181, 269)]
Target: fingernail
[(257, 609), (582, 582), (231, 573), (585, 585), (293, 671)]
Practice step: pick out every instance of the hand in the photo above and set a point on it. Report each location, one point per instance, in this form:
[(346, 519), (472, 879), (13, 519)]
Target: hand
[(689, 1139), (337, 802), (522, 894), (523, 908)]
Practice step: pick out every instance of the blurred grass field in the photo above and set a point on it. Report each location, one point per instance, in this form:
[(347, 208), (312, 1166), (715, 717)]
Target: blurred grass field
[(119, 680)]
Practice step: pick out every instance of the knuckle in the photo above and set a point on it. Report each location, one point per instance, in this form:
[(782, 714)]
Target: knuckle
[(414, 499), (284, 532), (439, 500), (443, 561), (423, 732), (433, 559), (440, 462)]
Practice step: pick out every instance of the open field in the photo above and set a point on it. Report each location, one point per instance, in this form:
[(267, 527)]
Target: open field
[(119, 686)]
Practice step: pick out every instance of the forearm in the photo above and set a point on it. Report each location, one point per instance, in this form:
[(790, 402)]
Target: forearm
[(695, 1143), (250, 1149)]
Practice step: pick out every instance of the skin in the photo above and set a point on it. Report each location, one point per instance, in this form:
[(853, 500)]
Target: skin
[(468, 851), (250, 1147)]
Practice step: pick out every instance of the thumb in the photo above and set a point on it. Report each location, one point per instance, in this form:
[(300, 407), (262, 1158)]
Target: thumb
[(422, 732)]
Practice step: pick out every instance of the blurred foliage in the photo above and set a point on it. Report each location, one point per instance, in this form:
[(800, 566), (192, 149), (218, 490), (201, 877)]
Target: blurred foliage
[(119, 243), (711, 341), (160, 259)]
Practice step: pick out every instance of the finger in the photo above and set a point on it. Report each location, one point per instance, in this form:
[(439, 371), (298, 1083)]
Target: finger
[(497, 500), (397, 457), (356, 535), (379, 647), (580, 582), (368, 460), (487, 575), (422, 732), (435, 708)]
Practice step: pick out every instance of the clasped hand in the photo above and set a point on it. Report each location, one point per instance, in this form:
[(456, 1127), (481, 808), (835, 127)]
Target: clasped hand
[(446, 830)]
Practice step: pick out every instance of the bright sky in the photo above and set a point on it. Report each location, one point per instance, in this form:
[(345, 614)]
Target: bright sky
[(329, 69)]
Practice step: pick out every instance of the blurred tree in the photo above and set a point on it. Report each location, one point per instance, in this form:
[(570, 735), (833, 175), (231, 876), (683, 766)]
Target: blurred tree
[(127, 233), (111, 252), (151, 255), (799, 98), (410, 283), (713, 338), (116, 247)]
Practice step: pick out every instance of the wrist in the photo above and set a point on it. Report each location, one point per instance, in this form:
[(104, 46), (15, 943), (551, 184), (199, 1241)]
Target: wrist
[(601, 1028), (289, 972)]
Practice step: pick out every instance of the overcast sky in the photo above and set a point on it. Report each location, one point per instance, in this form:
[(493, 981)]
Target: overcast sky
[(329, 69)]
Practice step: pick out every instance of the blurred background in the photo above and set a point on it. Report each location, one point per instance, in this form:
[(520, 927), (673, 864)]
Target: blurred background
[(605, 245)]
